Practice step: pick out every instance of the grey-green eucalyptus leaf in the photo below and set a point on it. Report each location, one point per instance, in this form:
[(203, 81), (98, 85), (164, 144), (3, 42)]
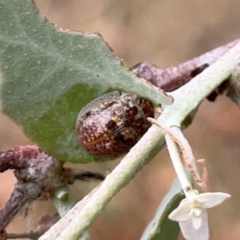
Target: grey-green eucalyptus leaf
[(48, 74)]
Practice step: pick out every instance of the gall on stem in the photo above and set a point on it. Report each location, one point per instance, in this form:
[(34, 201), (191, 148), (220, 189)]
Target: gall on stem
[(36, 173)]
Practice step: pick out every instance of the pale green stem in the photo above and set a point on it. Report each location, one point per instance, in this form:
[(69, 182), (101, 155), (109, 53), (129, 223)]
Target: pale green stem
[(63, 201), (178, 166), (186, 99)]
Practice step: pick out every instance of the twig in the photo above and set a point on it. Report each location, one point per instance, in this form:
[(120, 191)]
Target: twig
[(177, 163), (172, 78), (11, 208), (30, 235), (63, 201), (68, 217), (186, 99), (72, 175), (36, 173), (187, 154)]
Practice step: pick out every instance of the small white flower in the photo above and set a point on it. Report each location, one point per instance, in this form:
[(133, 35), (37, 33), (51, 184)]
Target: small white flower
[(194, 207)]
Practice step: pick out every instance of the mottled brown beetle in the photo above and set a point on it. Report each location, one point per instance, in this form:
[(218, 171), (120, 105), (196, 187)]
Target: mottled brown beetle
[(111, 124)]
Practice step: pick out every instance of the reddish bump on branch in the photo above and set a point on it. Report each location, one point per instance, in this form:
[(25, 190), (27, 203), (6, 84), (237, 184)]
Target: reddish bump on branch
[(31, 164), (172, 78), (36, 173)]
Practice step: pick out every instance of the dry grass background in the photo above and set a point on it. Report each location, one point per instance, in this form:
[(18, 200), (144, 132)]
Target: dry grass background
[(164, 33)]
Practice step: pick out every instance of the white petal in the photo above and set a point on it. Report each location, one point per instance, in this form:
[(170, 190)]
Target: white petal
[(208, 200), (181, 213), (190, 233), (197, 212), (196, 222)]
